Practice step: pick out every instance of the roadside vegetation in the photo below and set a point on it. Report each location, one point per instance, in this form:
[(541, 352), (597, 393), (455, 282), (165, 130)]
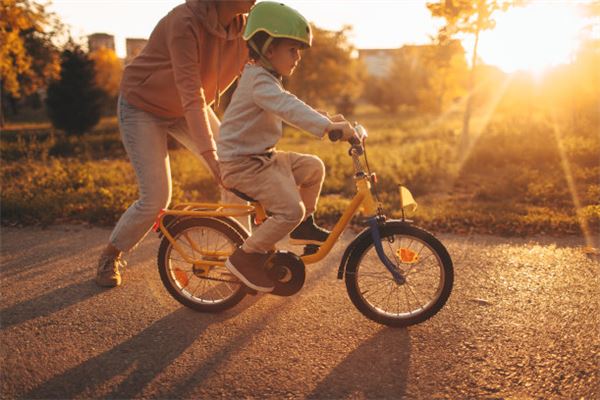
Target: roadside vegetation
[(521, 176)]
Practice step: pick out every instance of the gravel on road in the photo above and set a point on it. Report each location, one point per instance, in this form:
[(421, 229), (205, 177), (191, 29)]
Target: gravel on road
[(523, 322)]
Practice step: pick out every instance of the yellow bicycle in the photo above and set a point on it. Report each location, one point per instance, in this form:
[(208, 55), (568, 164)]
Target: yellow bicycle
[(395, 273)]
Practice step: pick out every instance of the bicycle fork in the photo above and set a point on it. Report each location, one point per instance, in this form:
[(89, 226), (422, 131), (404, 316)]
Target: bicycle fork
[(389, 265)]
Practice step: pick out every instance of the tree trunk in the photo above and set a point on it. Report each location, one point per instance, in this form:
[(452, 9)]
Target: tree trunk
[(14, 105), (440, 105)]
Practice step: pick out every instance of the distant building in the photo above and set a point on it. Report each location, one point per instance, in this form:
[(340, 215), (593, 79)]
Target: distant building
[(378, 61), (134, 47), (98, 40)]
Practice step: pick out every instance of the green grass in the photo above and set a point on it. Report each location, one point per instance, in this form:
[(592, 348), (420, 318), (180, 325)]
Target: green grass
[(520, 177)]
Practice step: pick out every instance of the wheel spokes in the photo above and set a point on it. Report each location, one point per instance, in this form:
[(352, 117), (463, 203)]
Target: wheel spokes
[(203, 286), (424, 278)]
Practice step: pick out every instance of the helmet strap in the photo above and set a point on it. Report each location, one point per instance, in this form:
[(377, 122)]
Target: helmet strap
[(263, 60), (266, 45)]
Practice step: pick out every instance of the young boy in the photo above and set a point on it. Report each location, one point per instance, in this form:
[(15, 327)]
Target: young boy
[(287, 184)]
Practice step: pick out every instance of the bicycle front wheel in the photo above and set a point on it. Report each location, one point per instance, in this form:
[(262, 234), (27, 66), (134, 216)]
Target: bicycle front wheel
[(422, 260), (202, 287)]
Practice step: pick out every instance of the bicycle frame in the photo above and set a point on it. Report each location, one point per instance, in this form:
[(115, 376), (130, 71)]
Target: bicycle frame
[(363, 198), (395, 273)]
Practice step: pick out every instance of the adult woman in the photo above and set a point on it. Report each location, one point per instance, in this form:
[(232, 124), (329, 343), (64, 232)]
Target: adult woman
[(193, 54)]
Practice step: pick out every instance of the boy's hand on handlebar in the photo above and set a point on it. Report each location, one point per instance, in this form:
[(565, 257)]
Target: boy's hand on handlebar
[(333, 118), (345, 127), (337, 118)]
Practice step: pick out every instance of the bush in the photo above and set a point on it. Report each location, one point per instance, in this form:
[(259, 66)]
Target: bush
[(74, 102)]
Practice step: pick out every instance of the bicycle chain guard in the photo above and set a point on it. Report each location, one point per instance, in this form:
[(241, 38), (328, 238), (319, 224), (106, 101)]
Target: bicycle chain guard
[(287, 272)]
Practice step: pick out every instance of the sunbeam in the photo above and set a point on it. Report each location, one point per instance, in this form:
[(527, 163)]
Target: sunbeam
[(482, 121), (566, 167)]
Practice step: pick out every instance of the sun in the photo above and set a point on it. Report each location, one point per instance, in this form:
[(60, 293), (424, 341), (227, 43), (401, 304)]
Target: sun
[(535, 37)]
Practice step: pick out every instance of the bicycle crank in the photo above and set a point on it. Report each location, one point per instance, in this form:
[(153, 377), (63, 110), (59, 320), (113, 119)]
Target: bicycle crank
[(287, 272)]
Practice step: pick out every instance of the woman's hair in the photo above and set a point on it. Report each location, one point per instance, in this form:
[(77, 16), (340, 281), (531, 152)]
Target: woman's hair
[(259, 39)]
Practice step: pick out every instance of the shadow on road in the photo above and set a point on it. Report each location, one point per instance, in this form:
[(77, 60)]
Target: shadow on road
[(27, 257), (377, 369), (185, 388), (195, 380), (48, 303), (139, 360)]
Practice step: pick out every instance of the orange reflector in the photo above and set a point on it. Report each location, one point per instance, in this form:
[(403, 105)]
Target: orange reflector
[(156, 226), (181, 277), (407, 256)]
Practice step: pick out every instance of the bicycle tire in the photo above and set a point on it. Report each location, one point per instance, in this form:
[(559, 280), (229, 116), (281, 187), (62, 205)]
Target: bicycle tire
[(177, 278), (403, 237)]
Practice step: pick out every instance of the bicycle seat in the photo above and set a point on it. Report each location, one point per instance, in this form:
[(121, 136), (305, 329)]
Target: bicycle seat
[(242, 195)]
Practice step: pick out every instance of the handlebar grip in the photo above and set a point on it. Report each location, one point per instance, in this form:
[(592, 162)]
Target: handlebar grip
[(335, 135)]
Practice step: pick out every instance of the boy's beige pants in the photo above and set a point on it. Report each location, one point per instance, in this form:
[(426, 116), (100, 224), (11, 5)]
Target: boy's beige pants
[(287, 185)]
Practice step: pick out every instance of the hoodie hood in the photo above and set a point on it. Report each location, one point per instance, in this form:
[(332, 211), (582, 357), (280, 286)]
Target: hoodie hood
[(206, 12)]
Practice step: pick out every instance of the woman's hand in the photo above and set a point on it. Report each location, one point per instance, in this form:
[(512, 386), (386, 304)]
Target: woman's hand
[(213, 165)]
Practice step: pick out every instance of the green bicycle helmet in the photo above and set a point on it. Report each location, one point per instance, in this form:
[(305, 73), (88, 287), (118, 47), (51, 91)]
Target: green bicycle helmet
[(278, 21)]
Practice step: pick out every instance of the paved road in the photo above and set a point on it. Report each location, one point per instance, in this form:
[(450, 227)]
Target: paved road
[(523, 322)]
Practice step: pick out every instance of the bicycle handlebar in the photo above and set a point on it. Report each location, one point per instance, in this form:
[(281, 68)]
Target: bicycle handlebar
[(337, 134)]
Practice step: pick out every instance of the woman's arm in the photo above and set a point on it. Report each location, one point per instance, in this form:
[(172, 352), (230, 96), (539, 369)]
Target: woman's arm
[(210, 156), (201, 121), (185, 59)]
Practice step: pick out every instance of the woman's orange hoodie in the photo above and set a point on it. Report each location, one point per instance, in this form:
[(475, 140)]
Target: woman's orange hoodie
[(188, 58)]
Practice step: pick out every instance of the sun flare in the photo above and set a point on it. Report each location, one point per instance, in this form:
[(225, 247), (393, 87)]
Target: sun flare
[(535, 37)]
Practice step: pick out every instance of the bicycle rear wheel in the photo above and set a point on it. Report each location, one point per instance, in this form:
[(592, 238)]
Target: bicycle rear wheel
[(422, 260), (205, 288)]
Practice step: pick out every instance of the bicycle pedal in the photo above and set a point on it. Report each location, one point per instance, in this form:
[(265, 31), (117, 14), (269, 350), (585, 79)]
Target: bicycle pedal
[(310, 249)]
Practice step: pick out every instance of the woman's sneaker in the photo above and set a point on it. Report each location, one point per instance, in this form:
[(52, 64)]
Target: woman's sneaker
[(309, 233), (108, 273), (249, 268)]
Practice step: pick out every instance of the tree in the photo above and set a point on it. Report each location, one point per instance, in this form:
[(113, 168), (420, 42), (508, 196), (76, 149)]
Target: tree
[(424, 77), (572, 92), (74, 102), (28, 57), (378, 94), (329, 74), (401, 84), (109, 70), (470, 17), (446, 76)]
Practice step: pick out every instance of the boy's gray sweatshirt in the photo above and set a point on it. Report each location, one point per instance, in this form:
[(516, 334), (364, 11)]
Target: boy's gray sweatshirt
[(253, 122)]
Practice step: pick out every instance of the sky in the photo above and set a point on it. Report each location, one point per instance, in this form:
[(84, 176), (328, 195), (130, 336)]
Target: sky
[(377, 23), (544, 33)]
